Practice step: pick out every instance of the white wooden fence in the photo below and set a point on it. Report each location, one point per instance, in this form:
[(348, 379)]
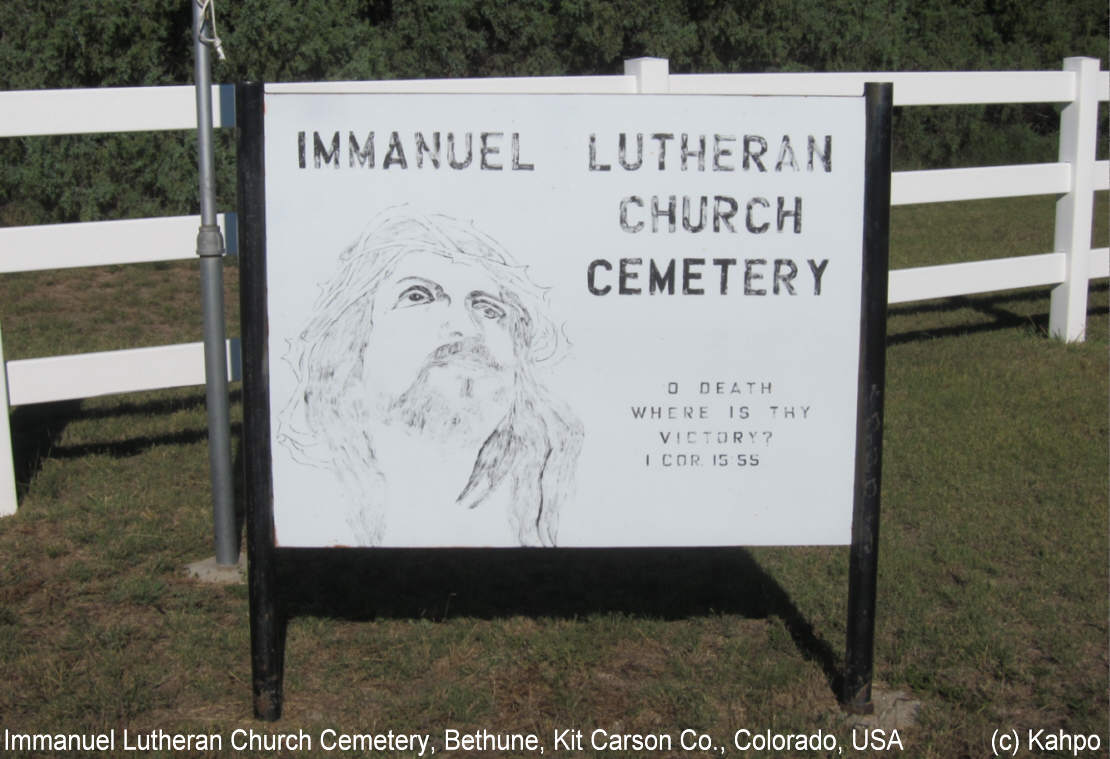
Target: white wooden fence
[(1074, 177)]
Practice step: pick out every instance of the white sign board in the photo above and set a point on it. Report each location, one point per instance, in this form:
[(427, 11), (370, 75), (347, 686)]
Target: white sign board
[(573, 320)]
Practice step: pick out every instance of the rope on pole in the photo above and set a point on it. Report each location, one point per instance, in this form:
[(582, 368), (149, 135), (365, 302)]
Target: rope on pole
[(208, 7)]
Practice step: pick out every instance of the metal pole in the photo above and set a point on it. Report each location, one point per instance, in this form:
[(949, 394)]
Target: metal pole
[(210, 248)]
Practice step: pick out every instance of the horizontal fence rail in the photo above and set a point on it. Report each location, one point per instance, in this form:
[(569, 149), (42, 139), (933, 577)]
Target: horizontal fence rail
[(910, 88), (943, 185), (104, 243), (973, 277), (27, 113), (127, 109), (543, 85), (65, 378), (30, 113)]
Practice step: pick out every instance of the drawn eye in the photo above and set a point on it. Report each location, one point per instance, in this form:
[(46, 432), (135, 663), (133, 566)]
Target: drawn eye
[(487, 308), (415, 295)]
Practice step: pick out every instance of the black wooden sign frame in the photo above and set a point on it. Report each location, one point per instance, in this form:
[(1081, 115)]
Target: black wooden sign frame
[(267, 622)]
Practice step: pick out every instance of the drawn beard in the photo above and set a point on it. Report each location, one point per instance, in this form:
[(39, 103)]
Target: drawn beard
[(460, 394)]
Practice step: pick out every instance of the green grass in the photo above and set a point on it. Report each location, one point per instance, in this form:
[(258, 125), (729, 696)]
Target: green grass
[(993, 581)]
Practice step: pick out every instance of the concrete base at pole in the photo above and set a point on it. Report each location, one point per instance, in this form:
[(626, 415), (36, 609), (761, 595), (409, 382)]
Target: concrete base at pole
[(209, 570), (893, 710)]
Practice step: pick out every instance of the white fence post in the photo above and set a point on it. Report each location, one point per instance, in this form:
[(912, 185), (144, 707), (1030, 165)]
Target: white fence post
[(7, 463), (652, 74), (1078, 126)]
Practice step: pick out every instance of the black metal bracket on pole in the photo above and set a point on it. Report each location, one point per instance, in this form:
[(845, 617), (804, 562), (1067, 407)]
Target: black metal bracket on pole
[(266, 616), (864, 560)]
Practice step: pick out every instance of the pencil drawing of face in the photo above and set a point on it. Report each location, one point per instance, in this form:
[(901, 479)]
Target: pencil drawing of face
[(445, 328), (418, 384)]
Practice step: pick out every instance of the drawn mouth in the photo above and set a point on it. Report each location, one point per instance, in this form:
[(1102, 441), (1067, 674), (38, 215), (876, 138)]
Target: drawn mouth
[(467, 353)]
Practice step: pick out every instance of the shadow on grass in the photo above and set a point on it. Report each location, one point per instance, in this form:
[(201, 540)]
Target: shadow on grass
[(662, 583), (993, 307), (36, 431), (128, 406), (135, 445)]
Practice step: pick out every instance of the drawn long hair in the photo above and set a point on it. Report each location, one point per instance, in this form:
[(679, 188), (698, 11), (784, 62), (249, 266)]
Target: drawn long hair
[(533, 451)]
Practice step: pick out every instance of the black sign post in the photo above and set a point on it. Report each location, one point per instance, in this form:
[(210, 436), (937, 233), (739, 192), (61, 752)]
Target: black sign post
[(267, 622), (267, 618), (864, 561)]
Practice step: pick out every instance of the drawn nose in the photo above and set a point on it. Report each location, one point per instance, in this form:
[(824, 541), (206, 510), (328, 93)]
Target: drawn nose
[(457, 322)]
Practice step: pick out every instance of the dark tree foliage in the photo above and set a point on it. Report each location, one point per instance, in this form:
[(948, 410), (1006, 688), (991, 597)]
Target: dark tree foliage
[(62, 43)]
